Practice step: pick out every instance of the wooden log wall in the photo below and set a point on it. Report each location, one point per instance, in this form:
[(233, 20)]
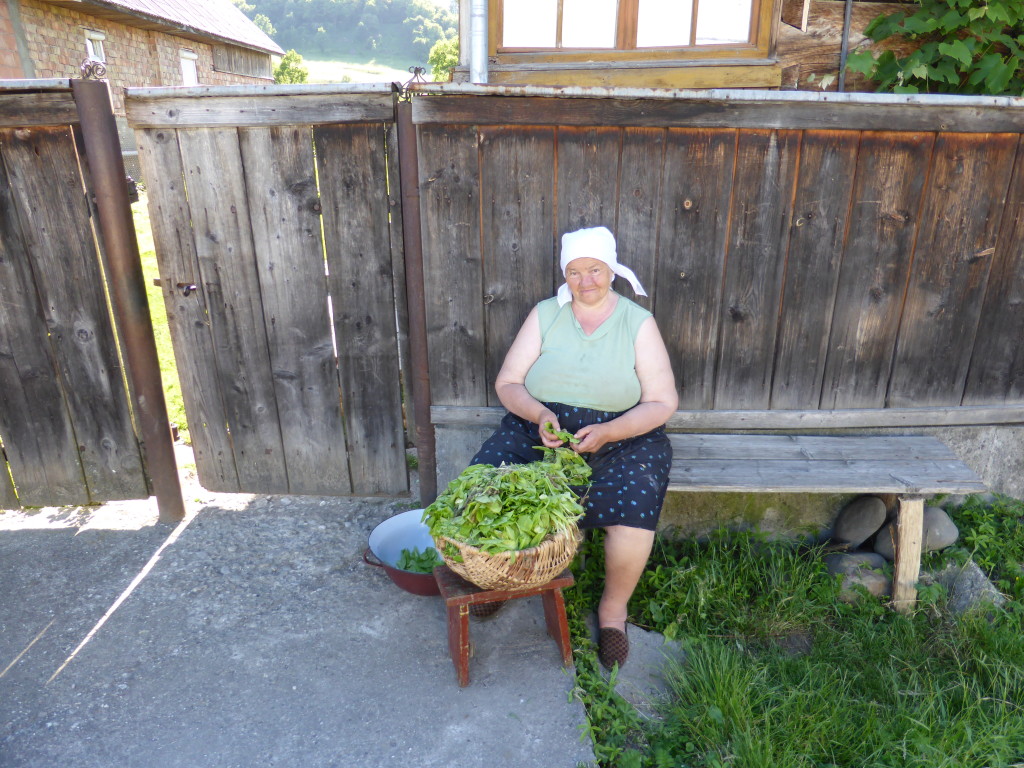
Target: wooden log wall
[(799, 256), (65, 420), (278, 209)]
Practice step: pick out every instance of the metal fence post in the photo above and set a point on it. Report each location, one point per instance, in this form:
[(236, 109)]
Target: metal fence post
[(128, 291)]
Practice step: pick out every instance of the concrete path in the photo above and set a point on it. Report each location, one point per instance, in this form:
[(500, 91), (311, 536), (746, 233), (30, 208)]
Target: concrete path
[(254, 635)]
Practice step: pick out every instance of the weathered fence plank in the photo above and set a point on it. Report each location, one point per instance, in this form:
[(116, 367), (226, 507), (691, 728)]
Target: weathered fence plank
[(891, 173), (395, 222), (762, 199), (35, 425), (284, 210), (24, 110), (227, 268), (955, 245), (8, 499), (997, 364), (450, 200), (694, 228), (46, 181), (641, 178), (353, 183), (519, 250), (187, 316), (257, 110), (828, 161)]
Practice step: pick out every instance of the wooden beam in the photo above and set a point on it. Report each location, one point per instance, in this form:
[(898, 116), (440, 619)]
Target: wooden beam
[(24, 110), (765, 110), (909, 532), (857, 418), (706, 76), (257, 110)]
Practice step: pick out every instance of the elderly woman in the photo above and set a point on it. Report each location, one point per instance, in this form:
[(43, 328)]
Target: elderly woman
[(593, 362)]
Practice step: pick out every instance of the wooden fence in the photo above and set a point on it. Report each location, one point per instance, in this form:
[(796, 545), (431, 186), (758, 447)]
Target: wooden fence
[(811, 263), (279, 243), (66, 424)]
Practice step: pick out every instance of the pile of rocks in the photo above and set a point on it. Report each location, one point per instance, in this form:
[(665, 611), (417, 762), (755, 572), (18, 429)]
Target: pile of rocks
[(867, 535)]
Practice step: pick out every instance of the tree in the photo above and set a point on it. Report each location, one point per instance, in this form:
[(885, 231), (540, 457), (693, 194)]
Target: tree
[(443, 58), (290, 70), (264, 24)]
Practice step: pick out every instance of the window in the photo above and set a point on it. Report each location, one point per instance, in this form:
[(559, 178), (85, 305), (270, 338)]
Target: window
[(189, 71), (94, 45), (631, 28), (625, 24)]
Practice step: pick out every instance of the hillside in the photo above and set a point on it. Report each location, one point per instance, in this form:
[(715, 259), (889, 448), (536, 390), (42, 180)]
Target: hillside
[(396, 32)]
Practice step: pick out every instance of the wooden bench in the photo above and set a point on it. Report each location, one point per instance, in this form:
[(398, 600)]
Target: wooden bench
[(909, 466)]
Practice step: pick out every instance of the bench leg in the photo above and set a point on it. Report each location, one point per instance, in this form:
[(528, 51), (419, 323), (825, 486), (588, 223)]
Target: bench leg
[(458, 641), (909, 531), (557, 623)]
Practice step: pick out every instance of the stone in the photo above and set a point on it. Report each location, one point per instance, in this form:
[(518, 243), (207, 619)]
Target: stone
[(850, 563), (877, 584), (859, 520), (641, 680), (937, 532), (968, 587)]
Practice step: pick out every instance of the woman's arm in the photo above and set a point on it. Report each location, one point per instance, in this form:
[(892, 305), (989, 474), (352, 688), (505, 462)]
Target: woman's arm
[(658, 396), (510, 385)]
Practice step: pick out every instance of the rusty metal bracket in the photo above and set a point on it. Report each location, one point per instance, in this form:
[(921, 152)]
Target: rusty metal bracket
[(404, 94)]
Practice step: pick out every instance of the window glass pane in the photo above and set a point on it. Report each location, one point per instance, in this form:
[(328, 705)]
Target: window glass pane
[(723, 21), (664, 22), (189, 73), (529, 23), (588, 23)]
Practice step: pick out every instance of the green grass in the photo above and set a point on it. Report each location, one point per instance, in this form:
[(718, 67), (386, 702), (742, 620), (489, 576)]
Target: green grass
[(868, 688), (158, 313), (352, 72)]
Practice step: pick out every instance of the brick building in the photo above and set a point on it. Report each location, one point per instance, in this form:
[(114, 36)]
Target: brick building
[(141, 42)]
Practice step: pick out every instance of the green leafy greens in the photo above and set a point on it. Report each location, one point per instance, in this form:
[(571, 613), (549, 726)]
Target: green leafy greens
[(511, 507), (418, 562), (561, 434)]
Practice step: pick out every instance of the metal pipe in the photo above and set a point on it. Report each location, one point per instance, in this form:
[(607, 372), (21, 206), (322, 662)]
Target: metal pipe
[(408, 171), (478, 41), (846, 46), (128, 291)]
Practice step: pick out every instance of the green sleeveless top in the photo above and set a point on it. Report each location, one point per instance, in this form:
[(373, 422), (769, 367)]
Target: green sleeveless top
[(596, 371)]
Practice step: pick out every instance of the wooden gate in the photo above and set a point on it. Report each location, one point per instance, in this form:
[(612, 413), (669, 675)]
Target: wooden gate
[(65, 420), (278, 236)]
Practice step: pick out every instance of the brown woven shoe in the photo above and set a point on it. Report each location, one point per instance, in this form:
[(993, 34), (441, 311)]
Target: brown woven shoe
[(613, 647), (485, 610)]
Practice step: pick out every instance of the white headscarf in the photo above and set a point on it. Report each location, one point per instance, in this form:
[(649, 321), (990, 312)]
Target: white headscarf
[(594, 243)]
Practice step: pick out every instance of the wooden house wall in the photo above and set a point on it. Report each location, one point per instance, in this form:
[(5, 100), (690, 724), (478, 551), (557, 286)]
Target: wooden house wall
[(791, 264), (65, 421)]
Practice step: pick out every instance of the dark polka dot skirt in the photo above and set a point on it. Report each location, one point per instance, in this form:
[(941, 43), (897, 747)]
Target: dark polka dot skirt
[(629, 477)]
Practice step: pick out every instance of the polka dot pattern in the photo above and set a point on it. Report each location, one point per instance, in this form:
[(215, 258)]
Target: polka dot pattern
[(629, 477)]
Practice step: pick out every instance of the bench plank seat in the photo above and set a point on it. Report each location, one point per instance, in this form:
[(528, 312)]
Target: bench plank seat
[(900, 464)]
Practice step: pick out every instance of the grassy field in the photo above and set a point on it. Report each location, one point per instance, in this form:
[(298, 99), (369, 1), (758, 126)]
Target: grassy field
[(349, 72), (781, 673), (168, 369)]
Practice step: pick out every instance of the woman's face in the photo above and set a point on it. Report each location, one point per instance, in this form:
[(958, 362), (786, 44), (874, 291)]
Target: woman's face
[(588, 279)]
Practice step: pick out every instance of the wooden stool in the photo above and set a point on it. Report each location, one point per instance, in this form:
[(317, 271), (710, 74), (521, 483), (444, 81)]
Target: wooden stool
[(459, 594)]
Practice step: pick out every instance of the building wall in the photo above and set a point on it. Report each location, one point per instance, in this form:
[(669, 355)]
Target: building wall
[(134, 57), (10, 63)]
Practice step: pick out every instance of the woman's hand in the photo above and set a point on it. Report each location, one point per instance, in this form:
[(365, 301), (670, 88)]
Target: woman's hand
[(594, 437), (548, 426)]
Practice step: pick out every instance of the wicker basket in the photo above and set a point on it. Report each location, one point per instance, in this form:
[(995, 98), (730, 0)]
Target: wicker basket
[(521, 569)]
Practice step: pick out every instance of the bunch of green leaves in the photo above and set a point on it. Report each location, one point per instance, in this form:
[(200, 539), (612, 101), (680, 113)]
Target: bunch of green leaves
[(418, 562), (562, 434), (965, 47), (511, 507)]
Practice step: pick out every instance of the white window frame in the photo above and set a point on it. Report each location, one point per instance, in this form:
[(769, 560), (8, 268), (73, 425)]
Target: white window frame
[(94, 45), (189, 65)]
